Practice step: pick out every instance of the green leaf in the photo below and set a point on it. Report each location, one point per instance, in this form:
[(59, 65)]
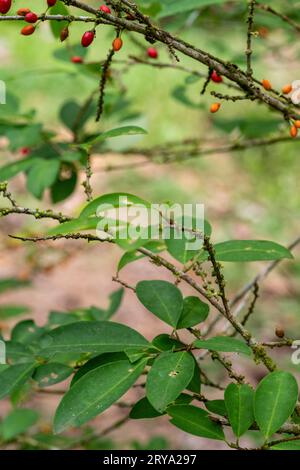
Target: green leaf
[(42, 174), (217, 407), (177, 244), (165, 342), (151, 8), (63, 187), (274, 401), (64, 54), (179, 93), (194, 312), (134, 354), (8, 311), (26, 332), (14, 376), (60, 318), (17, 422), (51, 373), (17, 352), (168, 377), (251, 126), (97, 361), (293, 445), (12, 169), (24, 136), (73, 114), (172, 7), (195, 421), (162, 298), (250, 250), (239, 405), (223, 344), (112, 200), (91, 336), (57, 26), (131, 241), (95, 392), (12, 283), (75, 225), (131, 256), (195, 384), (144, 410), (115, 299), (183, 245), (117, 132)]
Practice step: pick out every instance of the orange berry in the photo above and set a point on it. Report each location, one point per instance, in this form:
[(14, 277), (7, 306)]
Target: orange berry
[(294, 132), (215, 107), (23, 11), (287, 89), (297, 124), (267, 85), (117, 44), (28, 30), (263, 32)]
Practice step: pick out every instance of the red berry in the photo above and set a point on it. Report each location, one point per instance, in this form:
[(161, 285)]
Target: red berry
[(117, 44), (5, 6), (28, 30), (215, 77), (31, 17), (152, 52), (105, 9), (87, 38), (64, 34), (23, 11), (25, 151), (76, 59), (51, 3)]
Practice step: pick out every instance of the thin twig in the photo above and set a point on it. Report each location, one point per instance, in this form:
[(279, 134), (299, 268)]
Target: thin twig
[(282, 16), (250, 21), (104, 77), (87, 183)]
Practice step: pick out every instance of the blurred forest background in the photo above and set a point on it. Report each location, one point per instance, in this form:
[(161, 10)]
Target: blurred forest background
[(252, 194)]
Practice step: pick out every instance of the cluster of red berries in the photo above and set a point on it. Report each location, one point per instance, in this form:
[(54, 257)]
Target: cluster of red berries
[(29, 17), (87, 38)]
